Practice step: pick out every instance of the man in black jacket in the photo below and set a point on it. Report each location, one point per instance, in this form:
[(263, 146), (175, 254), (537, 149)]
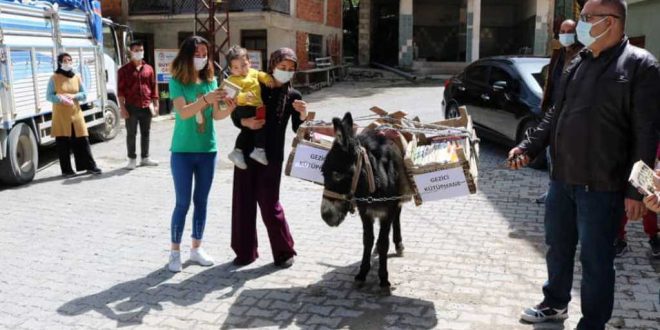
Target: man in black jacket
[(604, 119)]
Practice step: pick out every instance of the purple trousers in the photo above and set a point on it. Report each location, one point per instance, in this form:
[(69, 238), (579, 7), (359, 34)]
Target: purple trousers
[(260, 185)]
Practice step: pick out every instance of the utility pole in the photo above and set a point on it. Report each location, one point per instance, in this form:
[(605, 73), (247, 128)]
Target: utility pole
[(208, 24)]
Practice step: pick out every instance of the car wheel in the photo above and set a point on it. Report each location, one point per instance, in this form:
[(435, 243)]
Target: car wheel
[(451, 110), (109, 129), (22, 157), (540, 162)]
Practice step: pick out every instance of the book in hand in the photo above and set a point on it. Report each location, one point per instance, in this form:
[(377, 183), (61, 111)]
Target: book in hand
[(641, 177), (231, 88)]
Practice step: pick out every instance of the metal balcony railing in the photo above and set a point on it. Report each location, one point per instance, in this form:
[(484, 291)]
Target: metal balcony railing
[(176, 7)]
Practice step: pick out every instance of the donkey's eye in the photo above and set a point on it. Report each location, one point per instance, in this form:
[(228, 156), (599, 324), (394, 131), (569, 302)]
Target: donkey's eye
[(337, 176)]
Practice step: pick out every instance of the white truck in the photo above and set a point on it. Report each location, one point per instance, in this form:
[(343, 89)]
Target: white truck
[(32, 33)]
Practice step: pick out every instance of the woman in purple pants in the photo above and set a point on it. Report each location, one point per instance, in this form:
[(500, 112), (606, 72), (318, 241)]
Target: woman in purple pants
[(259, 184)]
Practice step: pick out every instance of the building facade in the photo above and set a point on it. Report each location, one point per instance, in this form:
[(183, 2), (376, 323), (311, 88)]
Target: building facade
[(643, 26), (311, 27), (426, 33)]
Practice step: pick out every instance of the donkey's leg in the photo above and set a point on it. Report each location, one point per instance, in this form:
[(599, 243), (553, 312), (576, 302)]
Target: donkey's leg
[(396, 226), (368, 242), (383, 246)]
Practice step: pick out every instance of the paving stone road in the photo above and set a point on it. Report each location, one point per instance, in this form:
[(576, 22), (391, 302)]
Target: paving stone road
[(89, 252)]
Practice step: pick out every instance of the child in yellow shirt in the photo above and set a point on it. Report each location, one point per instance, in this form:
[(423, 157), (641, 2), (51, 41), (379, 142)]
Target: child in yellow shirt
[(249, 104)]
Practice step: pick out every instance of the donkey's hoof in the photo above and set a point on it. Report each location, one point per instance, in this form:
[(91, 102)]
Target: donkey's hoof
[(385, 291), (358, 284), (399, 249)]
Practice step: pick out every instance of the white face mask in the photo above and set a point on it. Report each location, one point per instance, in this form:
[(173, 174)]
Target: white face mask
[(567, 39), (200, 63), (66, 67), (137, 56), (283, 76)]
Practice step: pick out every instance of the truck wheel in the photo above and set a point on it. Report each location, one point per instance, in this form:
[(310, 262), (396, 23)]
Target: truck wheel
[(110, 128), (22, 158)]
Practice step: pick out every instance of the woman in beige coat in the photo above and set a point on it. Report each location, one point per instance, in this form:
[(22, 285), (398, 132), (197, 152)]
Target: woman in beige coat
[(66, 91)]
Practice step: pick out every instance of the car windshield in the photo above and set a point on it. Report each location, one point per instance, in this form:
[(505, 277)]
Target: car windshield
[(530, 71)]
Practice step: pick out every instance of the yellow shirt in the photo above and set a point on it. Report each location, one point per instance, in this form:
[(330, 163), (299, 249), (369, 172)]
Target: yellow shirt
[(250, 87)]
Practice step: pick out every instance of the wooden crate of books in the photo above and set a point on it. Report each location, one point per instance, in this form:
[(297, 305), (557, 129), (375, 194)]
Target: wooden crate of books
[(442, 163)]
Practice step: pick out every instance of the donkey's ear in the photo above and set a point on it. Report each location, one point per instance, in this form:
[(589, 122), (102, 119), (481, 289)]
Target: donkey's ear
[(348, 121), (339, 130)]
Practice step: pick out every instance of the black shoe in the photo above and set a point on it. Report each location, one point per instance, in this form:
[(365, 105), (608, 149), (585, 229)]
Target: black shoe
[(542, 313), (284, 263), (621, 247), (239, 262), (654, 242), (95, 171), (68, 175)]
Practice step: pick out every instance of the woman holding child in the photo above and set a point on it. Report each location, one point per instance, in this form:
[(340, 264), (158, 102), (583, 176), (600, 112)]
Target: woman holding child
[(258, 183)]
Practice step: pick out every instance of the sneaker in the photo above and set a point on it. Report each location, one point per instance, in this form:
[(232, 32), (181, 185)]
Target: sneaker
[(199, 256), (541, 198), (286, 263), (174, 265), (148, 162), (236, 157), (542, 313), (654, 242), (621, 247), (95, 171), (259, 155), (132, 164)]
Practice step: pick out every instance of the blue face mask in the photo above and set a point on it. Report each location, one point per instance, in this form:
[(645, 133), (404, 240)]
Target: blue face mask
[(567, 39), (583, 31)]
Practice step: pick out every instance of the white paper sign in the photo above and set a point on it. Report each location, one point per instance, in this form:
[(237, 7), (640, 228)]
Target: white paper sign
[(442, 184), (255, 59), (307, 163), (164, 57)]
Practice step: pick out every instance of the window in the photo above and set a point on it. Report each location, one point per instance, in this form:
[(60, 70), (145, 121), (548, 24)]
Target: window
[(315, 48), (256, 40), (497, 74), (476, 73)]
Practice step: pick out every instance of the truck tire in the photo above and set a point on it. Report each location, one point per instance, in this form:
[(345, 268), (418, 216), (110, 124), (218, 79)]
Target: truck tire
[(110, 128), (22, 161)]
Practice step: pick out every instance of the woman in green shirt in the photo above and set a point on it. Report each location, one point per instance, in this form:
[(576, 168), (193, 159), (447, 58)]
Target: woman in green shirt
[(193, 89)]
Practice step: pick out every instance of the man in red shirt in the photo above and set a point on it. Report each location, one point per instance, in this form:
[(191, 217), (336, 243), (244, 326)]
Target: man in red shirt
[(138, 101)]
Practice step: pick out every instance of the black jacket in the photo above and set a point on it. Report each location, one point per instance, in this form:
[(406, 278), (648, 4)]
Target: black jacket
[(620, 121), (275, 126)]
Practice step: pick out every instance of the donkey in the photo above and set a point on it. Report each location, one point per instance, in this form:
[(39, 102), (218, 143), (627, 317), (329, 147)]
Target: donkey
[(361, 171)]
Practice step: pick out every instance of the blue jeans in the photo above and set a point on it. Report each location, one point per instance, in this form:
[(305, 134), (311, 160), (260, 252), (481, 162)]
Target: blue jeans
[(185, 167), (574, 214)]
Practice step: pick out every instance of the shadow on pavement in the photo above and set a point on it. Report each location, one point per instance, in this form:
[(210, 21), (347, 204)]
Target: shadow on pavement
[(332, 303), (129, 302)]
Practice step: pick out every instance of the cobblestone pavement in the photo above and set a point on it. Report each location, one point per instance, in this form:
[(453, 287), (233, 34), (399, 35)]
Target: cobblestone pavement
[(89, 252)]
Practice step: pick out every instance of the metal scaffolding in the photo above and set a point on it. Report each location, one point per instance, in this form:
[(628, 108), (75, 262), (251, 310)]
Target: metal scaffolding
[(208, 25)]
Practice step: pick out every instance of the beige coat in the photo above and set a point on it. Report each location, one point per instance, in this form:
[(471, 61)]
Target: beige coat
[(65, 116)]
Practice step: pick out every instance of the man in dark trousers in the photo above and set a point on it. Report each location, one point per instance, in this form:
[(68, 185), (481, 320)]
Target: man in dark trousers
[(138, 101), (604, 119)]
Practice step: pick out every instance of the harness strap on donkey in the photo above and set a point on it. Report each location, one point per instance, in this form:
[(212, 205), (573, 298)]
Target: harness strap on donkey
[(362, 160)]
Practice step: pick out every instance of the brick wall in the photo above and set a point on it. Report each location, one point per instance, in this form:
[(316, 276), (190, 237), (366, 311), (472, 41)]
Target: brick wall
[(334, 13), (310, 10), (301, 50), (111, 8)]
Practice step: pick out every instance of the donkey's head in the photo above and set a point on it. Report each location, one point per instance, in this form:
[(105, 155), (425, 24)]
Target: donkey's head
[(338, 170)]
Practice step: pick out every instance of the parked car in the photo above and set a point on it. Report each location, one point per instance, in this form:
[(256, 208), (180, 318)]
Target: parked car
[(503, 95)]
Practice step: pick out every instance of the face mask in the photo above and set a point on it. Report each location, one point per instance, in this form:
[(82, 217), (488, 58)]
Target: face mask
[(583, 31), (567, 39), (137, 56), (283, 76), (200, 63), (66, 67)]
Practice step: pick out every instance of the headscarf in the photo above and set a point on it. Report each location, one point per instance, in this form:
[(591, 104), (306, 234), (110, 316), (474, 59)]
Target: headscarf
[(60, 58), (276, 57)]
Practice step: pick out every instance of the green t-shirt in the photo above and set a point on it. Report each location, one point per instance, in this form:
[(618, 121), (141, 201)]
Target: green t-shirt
[(186, 137)]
